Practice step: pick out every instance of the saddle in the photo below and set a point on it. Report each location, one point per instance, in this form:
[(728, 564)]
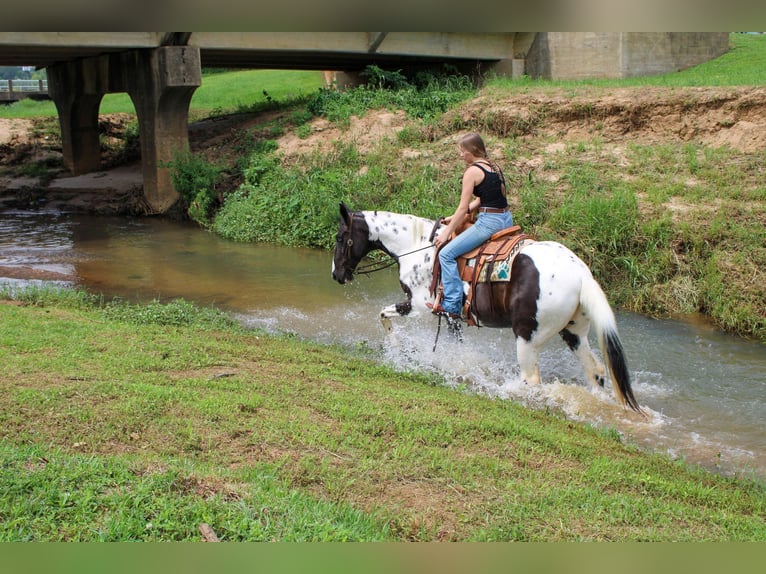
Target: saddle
[(487, 270)]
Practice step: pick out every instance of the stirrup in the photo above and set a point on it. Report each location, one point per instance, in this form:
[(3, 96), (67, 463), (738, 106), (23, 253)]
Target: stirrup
[(437, 309), (454, 326)]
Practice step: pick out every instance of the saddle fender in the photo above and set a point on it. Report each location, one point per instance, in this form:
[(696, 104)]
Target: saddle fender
[(487, 270)]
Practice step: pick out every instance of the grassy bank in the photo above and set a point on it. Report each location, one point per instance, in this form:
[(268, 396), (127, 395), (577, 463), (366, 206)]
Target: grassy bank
[(668, 228), (219, 93), (126, 422)]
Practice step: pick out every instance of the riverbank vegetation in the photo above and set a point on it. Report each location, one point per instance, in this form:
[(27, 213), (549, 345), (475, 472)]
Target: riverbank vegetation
[(671, 222), (669, 228), (146, 422), (149, 422)]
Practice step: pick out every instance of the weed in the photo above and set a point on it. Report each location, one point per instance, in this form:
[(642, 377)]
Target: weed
[(195, 179), (177, 312)]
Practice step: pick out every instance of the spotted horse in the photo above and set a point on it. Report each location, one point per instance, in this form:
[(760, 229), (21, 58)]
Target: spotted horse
[(551, 291)]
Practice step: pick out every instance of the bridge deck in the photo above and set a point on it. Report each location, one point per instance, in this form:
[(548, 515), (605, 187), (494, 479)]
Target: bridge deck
[(306, 50)]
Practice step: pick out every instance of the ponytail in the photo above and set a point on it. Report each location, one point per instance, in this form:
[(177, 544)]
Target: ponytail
[(500, 173)]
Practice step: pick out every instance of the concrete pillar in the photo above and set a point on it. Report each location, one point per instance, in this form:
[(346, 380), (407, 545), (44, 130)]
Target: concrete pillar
[(510, 68), (164, 82), (78, 119), (160, 83)]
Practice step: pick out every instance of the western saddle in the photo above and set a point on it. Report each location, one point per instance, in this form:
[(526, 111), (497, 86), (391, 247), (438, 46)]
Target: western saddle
[(489, 263)]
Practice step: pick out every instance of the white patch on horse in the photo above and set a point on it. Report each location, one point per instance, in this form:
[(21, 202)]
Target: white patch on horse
[(569, 299)]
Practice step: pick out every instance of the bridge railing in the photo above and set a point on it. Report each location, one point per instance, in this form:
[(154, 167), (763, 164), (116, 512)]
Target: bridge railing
[(24, 86), (15, 90)]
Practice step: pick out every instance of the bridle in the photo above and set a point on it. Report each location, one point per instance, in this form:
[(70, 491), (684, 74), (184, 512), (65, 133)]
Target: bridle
[(380, 265), (349, 242)]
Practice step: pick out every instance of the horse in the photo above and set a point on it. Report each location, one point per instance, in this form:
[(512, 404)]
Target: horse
[(551, 291)]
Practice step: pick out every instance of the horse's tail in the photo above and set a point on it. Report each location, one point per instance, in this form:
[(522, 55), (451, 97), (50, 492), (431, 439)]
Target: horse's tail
[(596, 307)]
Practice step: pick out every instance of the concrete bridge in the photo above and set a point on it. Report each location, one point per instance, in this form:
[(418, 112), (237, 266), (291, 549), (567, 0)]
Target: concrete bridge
[(161, 70), (15, 90)]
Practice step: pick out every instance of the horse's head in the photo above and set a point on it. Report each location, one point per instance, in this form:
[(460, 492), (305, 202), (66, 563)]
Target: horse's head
[(351, 244)]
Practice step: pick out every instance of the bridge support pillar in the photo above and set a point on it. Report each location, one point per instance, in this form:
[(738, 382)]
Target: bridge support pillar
[(160, 83)]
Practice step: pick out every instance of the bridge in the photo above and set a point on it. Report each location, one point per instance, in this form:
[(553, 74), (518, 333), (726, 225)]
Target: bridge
[(161, 70), (15, 90)]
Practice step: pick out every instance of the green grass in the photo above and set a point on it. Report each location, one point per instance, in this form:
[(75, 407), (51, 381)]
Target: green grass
[(219, 93), (50, 494), (126, 426), (743, 65), (242, 89)]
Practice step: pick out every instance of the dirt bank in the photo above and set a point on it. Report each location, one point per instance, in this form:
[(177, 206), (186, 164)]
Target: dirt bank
[(715, 117)]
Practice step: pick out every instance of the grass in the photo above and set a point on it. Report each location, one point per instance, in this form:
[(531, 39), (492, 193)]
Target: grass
[(123, 426), (219, 93), (140, 422), (743, 65), (667, 230)]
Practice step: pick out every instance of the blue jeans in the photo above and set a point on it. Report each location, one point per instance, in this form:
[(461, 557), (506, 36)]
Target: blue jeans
[(486, 225)]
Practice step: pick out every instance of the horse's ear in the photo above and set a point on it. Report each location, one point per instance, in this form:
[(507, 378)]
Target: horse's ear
[(345, 213)]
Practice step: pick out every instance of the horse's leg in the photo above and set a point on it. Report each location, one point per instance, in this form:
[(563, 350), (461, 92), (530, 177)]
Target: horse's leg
[(575, 335), (387, 313), (397, 310), (528, 355), (388, 327)]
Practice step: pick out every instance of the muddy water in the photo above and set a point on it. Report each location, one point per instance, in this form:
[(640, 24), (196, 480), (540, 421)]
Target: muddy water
[(704, 390)]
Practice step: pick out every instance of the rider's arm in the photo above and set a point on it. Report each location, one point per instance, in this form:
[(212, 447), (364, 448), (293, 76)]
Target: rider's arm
[(470, 177)]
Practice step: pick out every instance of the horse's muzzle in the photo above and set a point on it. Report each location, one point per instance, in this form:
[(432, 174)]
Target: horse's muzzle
[(342, 277)]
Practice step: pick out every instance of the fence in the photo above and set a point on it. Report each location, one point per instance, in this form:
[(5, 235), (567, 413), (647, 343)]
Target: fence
[(13, 90)]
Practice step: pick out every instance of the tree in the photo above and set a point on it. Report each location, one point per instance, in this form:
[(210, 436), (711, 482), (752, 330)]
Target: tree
[(14, 73)]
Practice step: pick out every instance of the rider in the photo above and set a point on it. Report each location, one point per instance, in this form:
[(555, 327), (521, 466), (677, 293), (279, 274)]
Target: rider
[(484, 179)]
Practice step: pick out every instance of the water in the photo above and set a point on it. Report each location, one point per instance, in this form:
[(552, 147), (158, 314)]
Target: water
[(703, 390)]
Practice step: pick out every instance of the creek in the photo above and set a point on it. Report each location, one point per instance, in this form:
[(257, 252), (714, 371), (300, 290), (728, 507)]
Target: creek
[(703, 389)]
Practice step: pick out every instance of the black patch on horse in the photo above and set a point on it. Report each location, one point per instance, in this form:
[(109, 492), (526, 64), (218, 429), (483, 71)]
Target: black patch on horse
[(525, 292), (570, 339)]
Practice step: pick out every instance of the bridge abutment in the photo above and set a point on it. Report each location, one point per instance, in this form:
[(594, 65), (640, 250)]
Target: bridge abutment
[(160, 82)]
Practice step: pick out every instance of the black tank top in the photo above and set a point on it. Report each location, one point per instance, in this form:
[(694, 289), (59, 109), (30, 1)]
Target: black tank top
[(490, 191)]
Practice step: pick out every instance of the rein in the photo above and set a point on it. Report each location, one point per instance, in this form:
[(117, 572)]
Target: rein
[(380, 265)]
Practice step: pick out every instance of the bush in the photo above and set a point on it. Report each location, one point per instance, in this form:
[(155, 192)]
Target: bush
[(295, 206), (195, 179), (431, 95)]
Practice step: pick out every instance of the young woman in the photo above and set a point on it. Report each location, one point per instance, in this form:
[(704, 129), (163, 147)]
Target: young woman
[(482, 191)]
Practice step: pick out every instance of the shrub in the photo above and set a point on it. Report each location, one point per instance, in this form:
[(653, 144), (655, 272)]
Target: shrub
[(431, 96), (195, 179)]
